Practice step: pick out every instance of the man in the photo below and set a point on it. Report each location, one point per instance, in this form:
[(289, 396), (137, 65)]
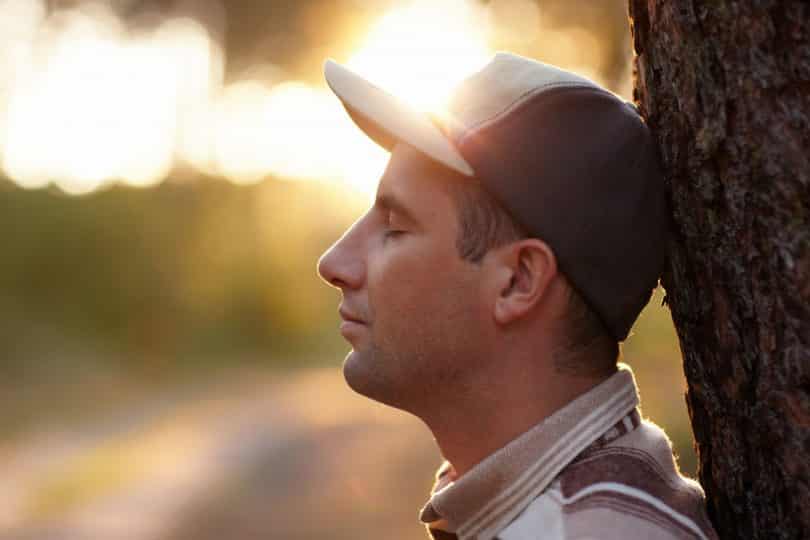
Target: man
[(513, 242)]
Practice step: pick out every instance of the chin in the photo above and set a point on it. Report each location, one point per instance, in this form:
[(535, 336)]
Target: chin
[(364, 373), (358, 373)]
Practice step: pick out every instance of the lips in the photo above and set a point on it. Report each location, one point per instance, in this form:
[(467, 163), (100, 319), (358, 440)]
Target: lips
[(347, 315)]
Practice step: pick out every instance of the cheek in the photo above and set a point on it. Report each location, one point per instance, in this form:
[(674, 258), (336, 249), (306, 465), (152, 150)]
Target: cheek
[(399, 283), (423, 297), (408, 271)]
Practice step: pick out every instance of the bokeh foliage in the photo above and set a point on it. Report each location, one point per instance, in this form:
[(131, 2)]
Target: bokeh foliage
[(188, 269)]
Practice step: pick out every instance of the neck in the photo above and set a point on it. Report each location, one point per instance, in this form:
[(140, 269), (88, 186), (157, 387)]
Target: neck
[(483, 421)]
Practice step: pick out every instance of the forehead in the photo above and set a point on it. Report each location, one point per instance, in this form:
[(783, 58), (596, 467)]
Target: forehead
[(416, 180)]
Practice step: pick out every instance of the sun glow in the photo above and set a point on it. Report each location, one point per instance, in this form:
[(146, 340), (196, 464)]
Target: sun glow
[(421, 51), (93, 104), (85, 100)]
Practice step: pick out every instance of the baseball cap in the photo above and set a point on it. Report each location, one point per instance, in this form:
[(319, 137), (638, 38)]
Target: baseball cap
[(573, 163)]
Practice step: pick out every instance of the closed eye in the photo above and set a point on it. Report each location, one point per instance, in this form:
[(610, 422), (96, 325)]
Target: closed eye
[(388, 233)]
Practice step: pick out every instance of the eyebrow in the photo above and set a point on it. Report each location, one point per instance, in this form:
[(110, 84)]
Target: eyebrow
[(389, 202)]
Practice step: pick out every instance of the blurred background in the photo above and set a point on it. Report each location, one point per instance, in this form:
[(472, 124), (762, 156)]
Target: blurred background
[(170, 171)]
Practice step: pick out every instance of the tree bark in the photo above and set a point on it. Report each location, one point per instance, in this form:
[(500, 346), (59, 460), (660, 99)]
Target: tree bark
[(725, 88)]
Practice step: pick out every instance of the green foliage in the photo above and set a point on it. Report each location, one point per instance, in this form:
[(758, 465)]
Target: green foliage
[(186, 269)]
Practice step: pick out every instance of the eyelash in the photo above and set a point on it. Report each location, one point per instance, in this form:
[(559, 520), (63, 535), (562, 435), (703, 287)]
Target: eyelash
[(391, 233)]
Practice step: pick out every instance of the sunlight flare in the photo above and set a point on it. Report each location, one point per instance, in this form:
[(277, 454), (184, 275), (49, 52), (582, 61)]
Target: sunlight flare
[(97, 105), (85, 100), (420, 51)]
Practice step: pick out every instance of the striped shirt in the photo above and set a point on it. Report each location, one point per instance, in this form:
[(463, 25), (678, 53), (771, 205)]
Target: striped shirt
[(593, 469)]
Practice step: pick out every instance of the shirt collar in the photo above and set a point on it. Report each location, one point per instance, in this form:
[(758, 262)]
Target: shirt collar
[(491, 494)]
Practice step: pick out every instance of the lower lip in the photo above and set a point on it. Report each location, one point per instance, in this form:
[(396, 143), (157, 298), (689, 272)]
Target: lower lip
[(348, 327)]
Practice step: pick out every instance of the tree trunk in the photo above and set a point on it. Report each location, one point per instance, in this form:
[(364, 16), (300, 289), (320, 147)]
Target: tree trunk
[(725, 88)]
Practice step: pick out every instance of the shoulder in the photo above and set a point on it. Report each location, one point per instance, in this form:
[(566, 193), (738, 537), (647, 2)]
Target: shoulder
[(630, 488)]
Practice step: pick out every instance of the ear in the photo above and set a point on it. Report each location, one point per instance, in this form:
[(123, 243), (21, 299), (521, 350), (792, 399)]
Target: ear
[(523, 272)]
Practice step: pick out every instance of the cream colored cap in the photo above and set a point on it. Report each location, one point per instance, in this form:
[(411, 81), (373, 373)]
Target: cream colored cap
[(393, 116)]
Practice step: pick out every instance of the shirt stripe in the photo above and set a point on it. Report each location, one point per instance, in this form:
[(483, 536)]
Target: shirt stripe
[(535, 481), (557, 464)]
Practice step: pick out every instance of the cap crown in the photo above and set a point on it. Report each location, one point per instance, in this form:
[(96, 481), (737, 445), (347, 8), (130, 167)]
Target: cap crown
[(575, 165)]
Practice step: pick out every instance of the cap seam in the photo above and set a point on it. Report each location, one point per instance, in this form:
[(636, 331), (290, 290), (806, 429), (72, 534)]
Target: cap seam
[(519, 100)]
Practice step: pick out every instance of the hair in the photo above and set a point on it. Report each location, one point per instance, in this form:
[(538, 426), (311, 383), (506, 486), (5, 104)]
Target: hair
[(484, 224)]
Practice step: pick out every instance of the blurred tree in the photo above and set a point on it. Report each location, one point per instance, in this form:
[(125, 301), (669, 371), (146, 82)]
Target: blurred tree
[(725, 87)]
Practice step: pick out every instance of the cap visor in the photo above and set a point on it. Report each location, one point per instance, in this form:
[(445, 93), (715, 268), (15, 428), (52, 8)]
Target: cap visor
[(388, 120)]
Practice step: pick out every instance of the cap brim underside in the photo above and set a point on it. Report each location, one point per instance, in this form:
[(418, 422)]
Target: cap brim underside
[(387, 119)]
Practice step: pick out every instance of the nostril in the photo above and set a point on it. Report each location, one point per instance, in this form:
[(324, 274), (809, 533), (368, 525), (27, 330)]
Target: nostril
[(331, 271), (339, 283), (341, 274)]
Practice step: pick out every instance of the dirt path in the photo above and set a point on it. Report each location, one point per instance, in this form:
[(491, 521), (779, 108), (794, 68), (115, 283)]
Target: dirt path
[(253, 453)]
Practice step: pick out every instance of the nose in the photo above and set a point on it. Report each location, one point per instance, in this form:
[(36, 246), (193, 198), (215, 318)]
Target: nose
[(343, 264)]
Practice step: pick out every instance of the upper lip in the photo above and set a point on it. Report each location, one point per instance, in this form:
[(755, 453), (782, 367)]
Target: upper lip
[(349, 316)]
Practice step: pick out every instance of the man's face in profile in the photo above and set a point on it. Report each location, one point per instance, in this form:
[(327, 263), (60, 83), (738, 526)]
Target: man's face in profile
[(421, 318)]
